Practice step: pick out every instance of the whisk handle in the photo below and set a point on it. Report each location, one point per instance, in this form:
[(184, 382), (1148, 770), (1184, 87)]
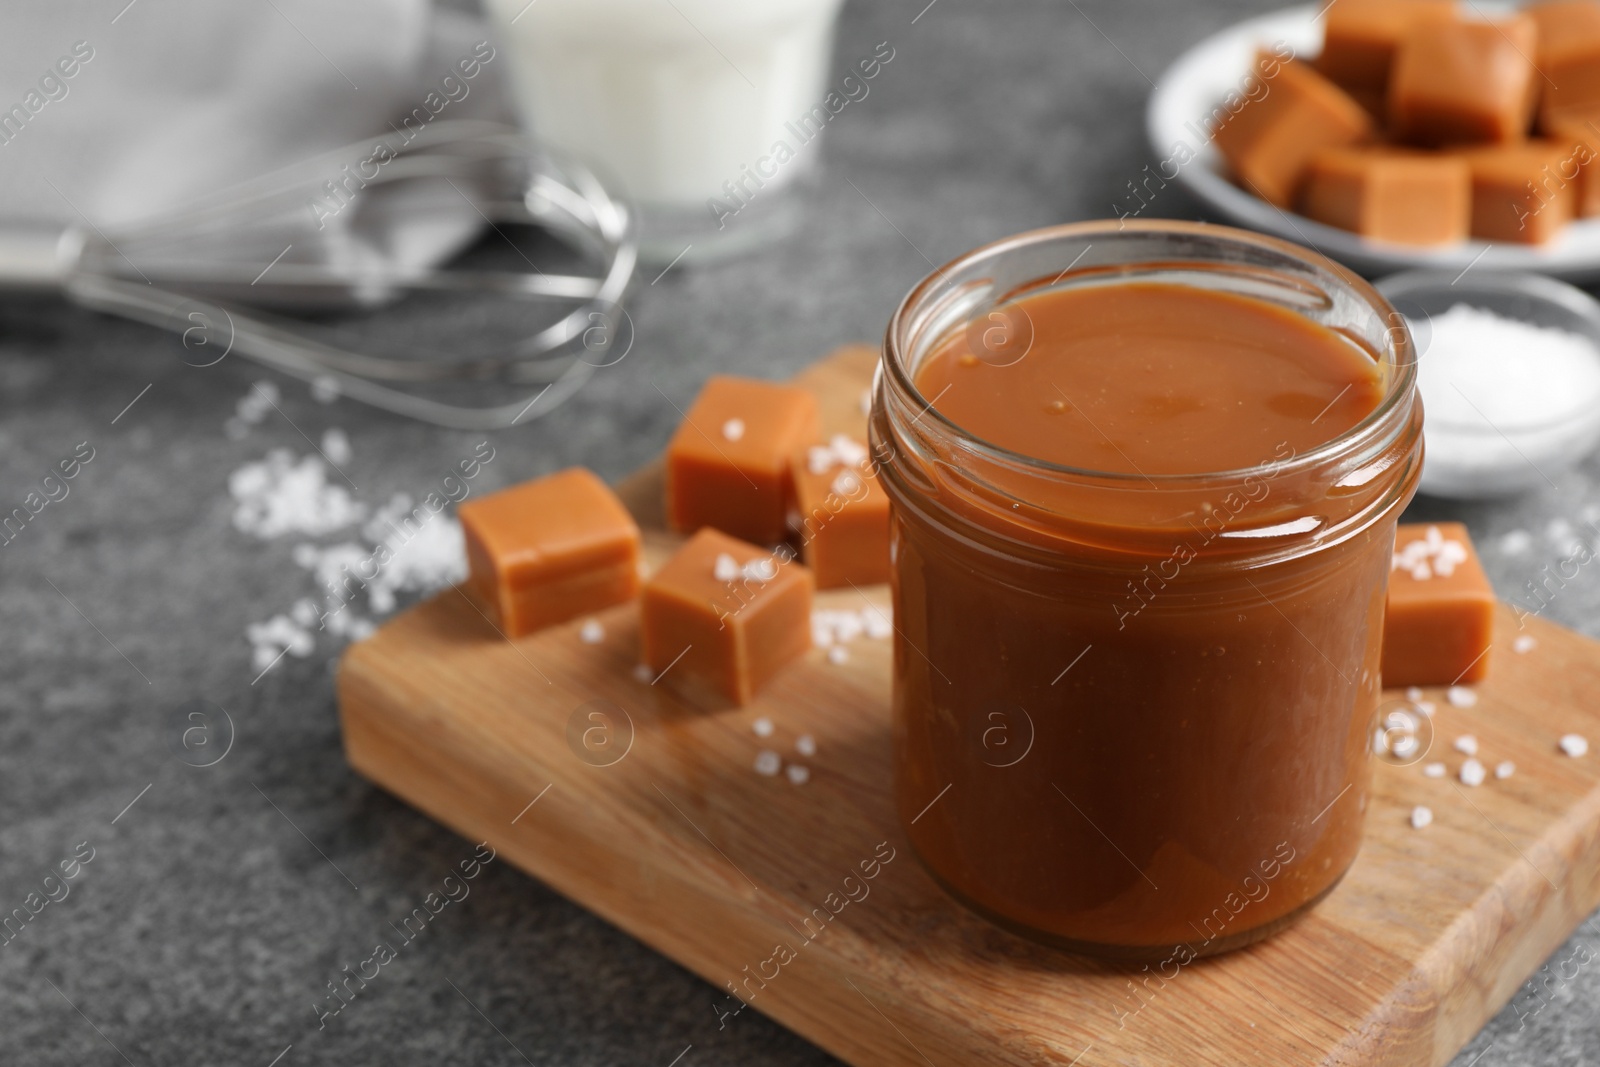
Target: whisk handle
[(34, 259)]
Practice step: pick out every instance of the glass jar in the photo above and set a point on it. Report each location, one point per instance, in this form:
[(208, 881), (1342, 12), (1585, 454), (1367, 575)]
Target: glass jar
[(1132, 715)]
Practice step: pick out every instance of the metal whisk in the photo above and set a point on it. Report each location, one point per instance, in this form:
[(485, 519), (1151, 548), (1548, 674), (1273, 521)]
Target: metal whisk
[(346, 240)]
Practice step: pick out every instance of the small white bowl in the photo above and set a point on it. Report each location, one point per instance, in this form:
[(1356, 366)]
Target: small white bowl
[(1477, 459)]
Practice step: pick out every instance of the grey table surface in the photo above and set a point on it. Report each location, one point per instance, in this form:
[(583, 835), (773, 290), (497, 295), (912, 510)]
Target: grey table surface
[(217, 907)]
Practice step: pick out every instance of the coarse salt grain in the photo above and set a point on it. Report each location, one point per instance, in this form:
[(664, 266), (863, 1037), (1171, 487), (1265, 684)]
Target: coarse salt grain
[(768, 763), (1421, 816), (797, 774), (591, 632), (280, 495), (1461, 696), (760, 570), (1433, 770), (733, 429), (1505, 769), (325, 389), (1413, 694), (877, 623), (865, 403), (837, 655), (762, 727), (848, 483), (1524, 643), (1559, 532), (1472, 773), (724, 568), (1467, 744), (336, 446), (1427, 707), (642, 673), (1574, 745), (806, 745), (1516, 542)]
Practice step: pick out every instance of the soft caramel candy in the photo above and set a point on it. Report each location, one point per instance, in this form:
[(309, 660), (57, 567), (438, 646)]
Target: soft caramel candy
[(1568, 57), (548, 550), (1440, 617), (1461, 81), (1269, 141), (728, 463), (726, 614), (841, 515), (1409, 198), (1519, 192), (1579, 132), (1360, 39)]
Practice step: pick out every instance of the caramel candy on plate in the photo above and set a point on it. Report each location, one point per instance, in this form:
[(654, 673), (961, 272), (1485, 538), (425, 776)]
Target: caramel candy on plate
[(1568, 57), (1440, 618), (1387, 194), (1523, 192), (1462, 81), (1360, 38), (728, 463), (726, 614), (549, 550), (842, 515), (1579, 131), (1269, 141)]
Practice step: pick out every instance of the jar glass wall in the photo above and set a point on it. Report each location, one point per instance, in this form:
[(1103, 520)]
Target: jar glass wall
[(1132, 712)]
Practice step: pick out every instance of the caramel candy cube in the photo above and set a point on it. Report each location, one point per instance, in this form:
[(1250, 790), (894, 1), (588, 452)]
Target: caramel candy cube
[(1440, 617), (1360, 38), (548, 550), (728, 463), (842, 515), (1459, 81), (1569, 56), (1519, 192), (1269, 140), (726, 614), (1408, 198), (1581, 131)]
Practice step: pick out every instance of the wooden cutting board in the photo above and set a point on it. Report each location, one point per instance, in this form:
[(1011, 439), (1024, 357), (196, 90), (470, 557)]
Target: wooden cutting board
[(682, 844)]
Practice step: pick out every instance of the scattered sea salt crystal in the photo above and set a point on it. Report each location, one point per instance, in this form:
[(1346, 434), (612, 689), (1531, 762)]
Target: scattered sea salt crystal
[(819, 459), (304, 612), (1433, 770), (1524, 643), (837, 655), (849, 452), (877, 623), (847, 483), (1505, 769), (1432, 554), (1420, 817), (642, 673), (724, 568), (591, 632), (1516, 542), (760, 570), (1559, 532), (797, 774), (733, 429), (768, 763), (336, 446), (1413, 694), (1574, 745), (865, 403), (1461, 696), (325, 389), (1472, 773), (806, 745), (1467, 744), (762, 727), (1427, 707), (279, 495)]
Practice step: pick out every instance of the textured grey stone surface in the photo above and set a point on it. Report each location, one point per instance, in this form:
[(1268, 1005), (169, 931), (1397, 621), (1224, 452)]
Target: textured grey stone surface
[(217, 906)]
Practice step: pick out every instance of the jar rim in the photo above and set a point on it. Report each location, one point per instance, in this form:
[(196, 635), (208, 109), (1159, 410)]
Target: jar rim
[(1402, 355)]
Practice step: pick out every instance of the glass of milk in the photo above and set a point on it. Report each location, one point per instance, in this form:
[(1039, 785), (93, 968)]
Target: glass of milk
[(700, 111)]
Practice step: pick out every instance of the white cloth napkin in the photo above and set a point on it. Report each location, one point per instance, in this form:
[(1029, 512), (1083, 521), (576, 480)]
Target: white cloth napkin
[(112, 111)]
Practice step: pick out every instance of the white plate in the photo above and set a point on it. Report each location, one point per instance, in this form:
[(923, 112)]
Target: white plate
[(1196, 84)]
